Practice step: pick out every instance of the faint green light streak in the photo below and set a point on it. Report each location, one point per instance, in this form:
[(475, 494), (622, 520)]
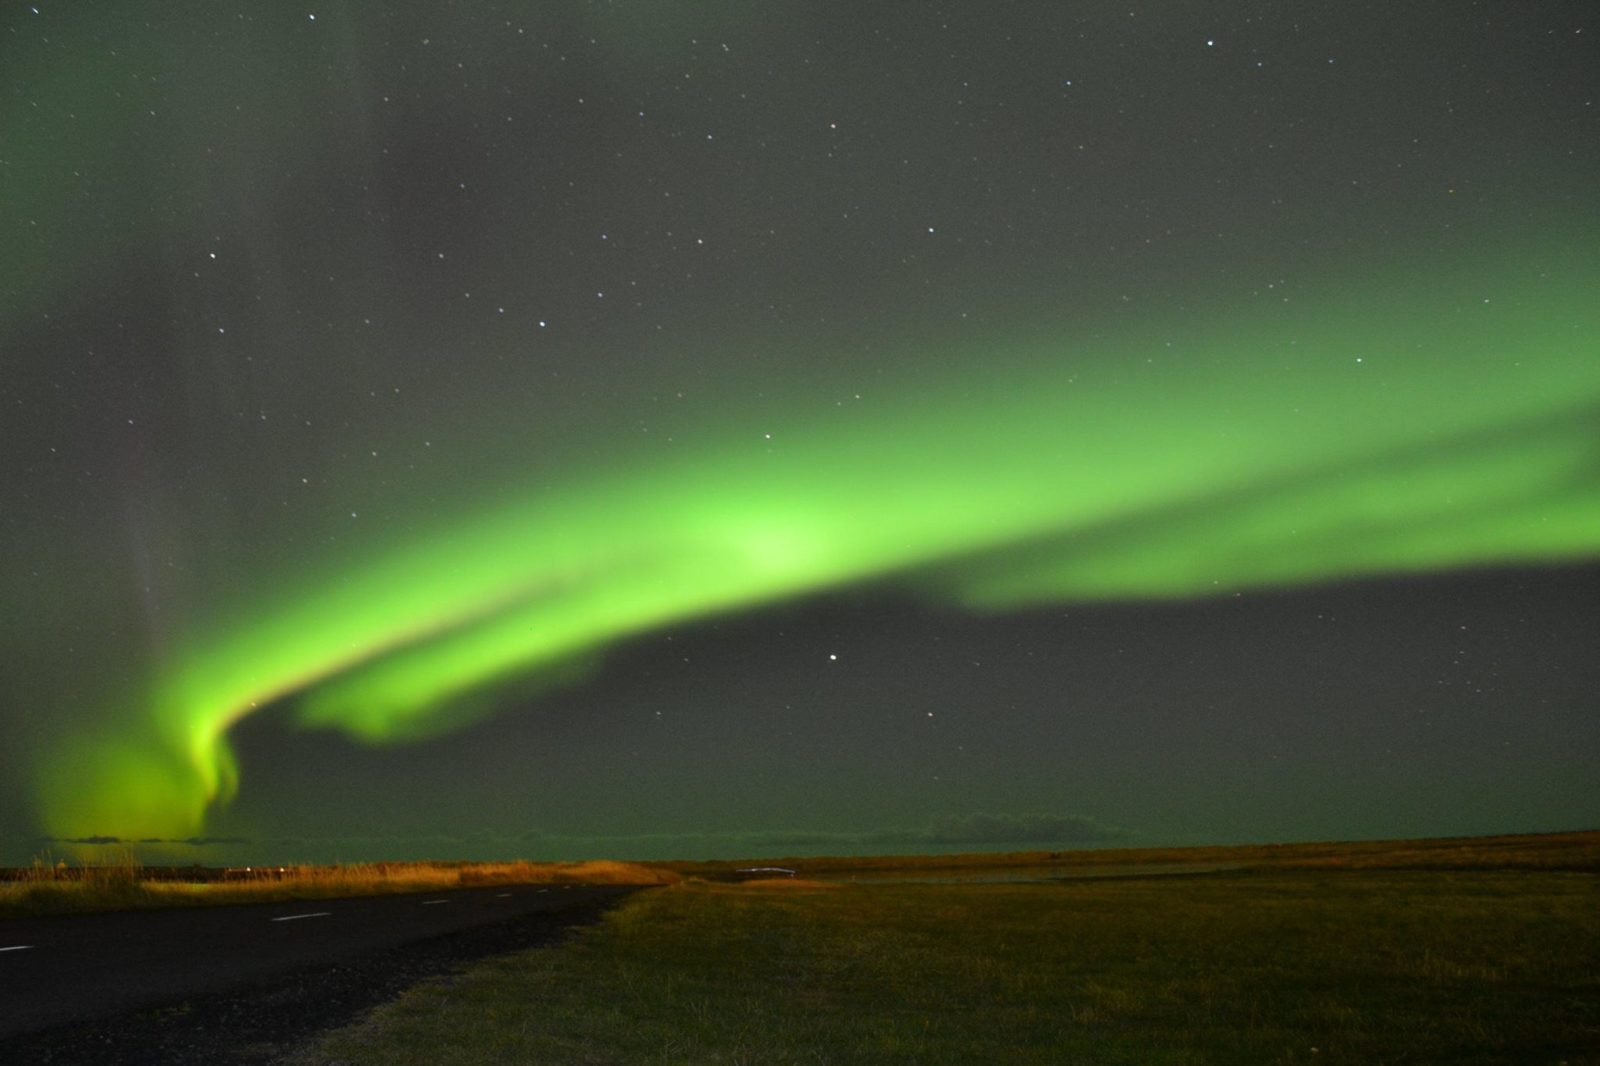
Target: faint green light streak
[(1401, 426)]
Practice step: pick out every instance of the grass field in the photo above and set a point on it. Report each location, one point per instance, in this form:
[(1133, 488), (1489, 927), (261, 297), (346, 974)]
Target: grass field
[(1521, 851), (48, 888), (1346, 962)]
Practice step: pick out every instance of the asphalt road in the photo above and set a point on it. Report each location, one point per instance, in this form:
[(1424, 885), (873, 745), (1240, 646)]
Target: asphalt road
[(73, 968)]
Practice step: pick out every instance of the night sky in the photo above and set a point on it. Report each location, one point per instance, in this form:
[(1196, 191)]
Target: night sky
[(633, 429)]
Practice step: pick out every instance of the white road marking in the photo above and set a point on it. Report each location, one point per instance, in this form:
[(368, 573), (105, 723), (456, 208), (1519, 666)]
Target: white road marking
[(18, 947), (297, 917), (502, 895), (544, 890), (431, 902)]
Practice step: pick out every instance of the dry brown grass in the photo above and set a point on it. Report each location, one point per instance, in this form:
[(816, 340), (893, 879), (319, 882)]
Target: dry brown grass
[(56, 888), (123, 884), (1577, 851)]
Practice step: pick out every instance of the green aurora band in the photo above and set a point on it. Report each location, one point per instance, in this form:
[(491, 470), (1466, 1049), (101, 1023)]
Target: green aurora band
[(1419, 421)]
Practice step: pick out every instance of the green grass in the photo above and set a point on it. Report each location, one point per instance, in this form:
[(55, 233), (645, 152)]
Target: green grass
[(1267, 966)]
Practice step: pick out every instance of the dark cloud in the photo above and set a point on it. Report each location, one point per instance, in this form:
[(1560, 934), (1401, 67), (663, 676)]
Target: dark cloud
[(197, 842), (976, 831), (984, 829)]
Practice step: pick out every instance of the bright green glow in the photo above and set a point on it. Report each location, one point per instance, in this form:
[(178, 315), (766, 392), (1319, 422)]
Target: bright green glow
[(1389, 431)]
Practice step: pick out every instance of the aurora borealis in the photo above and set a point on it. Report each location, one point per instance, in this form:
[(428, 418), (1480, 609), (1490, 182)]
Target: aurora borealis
[(407, 374)]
